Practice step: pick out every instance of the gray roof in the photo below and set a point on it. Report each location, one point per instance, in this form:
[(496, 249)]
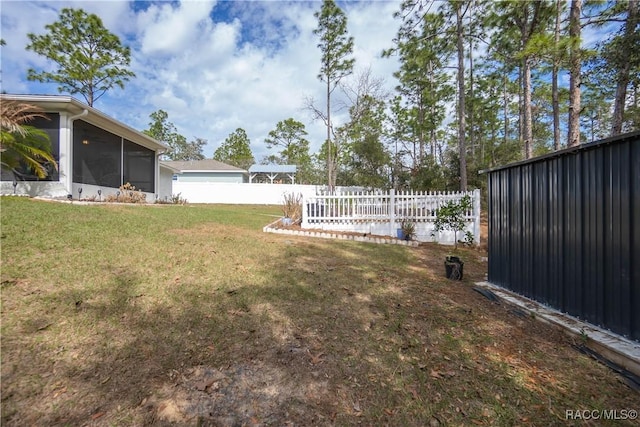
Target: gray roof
[(273, 169), (207, 165), (59, 103)]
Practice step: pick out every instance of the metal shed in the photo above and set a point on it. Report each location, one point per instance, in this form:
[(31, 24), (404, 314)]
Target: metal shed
[(564, 230)]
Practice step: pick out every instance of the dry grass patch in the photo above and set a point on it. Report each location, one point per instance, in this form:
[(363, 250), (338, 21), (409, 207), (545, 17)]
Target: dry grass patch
[(190, 315)]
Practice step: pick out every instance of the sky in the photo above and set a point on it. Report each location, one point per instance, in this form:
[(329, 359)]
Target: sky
[(213, 66)]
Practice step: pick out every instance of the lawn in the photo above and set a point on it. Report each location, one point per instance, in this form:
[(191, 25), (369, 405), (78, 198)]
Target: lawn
[(191, 315)]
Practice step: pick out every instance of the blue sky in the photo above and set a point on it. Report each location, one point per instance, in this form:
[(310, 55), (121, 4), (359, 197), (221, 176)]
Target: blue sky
[(213, 66)]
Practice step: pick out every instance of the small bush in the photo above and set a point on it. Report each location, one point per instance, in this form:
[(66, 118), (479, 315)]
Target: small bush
[(451, 216), (408, 229), (127, 193), (177, 199)]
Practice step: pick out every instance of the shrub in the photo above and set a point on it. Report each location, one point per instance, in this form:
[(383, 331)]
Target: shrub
[(451, 216), (292, 207), (127, 193), (177, 199), (408, 229)]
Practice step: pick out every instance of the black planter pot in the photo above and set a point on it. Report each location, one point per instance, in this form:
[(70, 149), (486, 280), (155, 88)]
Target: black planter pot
[(453, 267)]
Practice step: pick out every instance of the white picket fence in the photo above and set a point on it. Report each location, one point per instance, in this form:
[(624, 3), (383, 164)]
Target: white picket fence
[(381, 213)]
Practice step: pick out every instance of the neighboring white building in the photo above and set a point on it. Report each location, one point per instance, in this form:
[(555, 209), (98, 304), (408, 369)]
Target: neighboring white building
[(96, 154), (207, 170)]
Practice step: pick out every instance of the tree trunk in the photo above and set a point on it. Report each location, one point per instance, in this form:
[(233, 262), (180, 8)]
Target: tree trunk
[(505, 106), (555, 101), (575, 62), (461, 104), (330, 182), (527, 129), (623, 72)]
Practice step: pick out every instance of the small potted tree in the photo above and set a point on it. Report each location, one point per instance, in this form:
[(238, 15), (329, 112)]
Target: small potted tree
[(407, 230), (451, 216)]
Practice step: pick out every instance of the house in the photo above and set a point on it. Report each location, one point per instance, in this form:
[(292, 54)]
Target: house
[(96, 154), (564, 230), (207, 170)]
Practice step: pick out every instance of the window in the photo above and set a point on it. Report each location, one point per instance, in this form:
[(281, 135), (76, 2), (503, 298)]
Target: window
[(96, 156), (139, 168), (104, 159)]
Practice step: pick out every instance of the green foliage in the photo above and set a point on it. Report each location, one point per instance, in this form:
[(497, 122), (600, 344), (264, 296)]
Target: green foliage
[(408, 229), (22, 145), (451, 216), (235, 150), (289, 135), (89, 59), (161, 129), (368, 161)]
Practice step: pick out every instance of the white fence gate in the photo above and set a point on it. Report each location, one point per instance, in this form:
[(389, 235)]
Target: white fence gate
[(381, 213)]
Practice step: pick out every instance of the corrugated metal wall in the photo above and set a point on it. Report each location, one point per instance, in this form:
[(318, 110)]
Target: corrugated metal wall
[(564, 230)]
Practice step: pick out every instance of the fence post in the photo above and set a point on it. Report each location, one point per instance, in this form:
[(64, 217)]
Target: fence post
[(305, 213), (392, 212), (476, 216)]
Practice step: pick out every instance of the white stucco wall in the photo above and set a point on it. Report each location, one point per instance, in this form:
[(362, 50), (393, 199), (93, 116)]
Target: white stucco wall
[(228, 193), (165, 184)]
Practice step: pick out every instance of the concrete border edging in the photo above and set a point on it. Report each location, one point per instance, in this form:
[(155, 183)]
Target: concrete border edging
[(616, 348), (271, 228)]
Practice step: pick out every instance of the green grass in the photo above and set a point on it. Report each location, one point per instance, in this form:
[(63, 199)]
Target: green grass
[(110, 313)]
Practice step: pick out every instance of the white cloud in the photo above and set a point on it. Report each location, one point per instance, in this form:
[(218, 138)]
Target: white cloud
[(250, 66), (170, 29)]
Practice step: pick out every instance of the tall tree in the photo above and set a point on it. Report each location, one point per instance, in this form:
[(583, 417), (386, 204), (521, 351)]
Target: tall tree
[(460, 10), (626, 57), (90, 59), (22, 145), (235, 150), (556, 59), (289, 135), (523, 26), (161, 129), (575, 68), (425, 89), (336, 46), (369, 162)]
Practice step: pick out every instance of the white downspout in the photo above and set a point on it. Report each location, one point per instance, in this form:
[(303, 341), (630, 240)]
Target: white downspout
[(69, 177), (157, 183)]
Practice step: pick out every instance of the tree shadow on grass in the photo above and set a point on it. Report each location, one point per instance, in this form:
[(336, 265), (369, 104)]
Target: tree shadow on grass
[(324, 333)]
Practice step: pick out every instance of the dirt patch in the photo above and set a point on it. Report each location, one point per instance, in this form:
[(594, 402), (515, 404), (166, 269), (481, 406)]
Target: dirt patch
[(248, 394)]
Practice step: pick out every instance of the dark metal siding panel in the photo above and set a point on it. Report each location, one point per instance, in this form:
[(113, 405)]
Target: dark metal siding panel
[(634, 194), (515, 230), (539, 258), (619, 286), (495, 217), (593, 235), (612, 237), (556, 220), (566, 231), (528, 230), (499, 226), (572, 247)]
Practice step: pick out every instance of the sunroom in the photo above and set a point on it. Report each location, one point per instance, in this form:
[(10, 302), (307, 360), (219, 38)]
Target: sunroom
[(96, 154)]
